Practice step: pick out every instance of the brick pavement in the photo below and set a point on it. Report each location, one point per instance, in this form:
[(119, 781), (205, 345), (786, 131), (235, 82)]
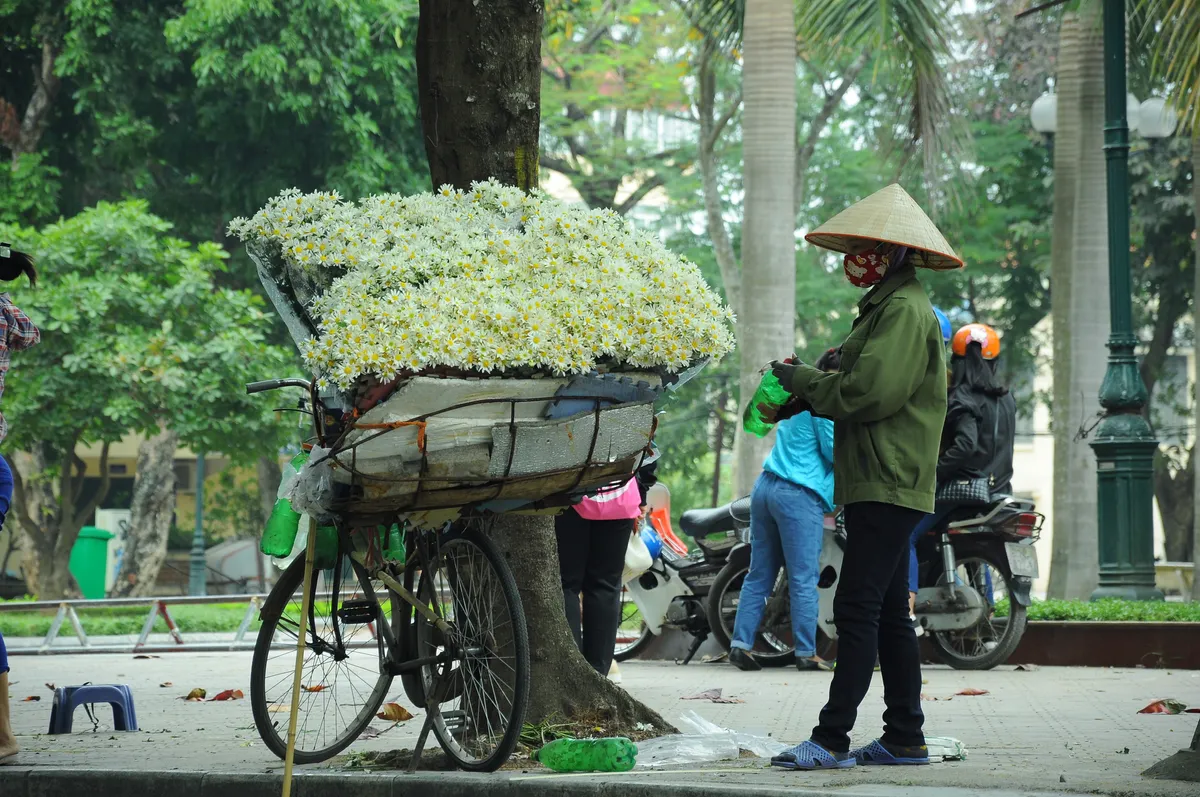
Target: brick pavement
[(1048, 730)]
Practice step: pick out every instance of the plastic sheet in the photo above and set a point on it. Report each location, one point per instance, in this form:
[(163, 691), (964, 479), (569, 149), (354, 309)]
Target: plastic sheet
[(312, 491), (703, 741), (943, 748)]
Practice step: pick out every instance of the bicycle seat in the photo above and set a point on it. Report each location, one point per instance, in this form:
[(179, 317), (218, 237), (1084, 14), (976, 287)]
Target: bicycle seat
[(701, 522)]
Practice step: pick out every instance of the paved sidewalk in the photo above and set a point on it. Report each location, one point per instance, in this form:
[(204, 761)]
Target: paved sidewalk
[(1042, 731)]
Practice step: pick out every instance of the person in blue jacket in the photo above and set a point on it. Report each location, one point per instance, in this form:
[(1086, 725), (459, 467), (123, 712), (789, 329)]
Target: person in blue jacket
[(787, 522)]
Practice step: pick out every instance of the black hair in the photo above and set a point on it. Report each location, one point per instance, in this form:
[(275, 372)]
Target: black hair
[(972, 372), (831, 360), (14, 264)]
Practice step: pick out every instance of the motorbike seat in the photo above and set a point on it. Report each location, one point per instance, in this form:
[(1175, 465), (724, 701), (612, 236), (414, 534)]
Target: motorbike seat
[(701, 522)]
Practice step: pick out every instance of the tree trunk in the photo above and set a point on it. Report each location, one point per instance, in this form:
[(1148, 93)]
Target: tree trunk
[(24, 138), (711, 128), (1196, 411), (153, 511), (766, 327), (1079, 277), (479, 74), (269, 475), (479, 78), (50, 517), (564, 684)]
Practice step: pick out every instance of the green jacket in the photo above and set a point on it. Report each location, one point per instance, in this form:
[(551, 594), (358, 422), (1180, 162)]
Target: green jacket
[(888, 401)]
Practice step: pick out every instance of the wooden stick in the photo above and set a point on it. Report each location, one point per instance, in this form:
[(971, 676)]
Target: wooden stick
[(305, 604)]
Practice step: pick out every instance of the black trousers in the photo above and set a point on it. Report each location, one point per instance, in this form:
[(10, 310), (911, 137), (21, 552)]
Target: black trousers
[(870, 610), (591, 556)]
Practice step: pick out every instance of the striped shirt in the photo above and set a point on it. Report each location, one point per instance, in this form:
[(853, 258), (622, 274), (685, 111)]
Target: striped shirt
[(17, 332)]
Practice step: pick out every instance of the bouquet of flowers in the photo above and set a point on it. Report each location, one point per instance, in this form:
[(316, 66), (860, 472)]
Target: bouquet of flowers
[(490, 281)]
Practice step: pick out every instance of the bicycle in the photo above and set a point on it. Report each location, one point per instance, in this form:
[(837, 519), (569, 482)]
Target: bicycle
[(448, 621)]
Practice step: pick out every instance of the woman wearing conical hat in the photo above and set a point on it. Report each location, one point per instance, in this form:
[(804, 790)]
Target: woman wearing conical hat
[(888, 402)]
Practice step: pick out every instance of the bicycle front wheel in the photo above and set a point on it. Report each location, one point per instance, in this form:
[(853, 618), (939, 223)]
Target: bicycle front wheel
[(343, 683), (477, 693)]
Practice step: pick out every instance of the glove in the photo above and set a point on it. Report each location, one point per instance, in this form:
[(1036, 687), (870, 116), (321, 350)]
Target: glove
[(785, 372)]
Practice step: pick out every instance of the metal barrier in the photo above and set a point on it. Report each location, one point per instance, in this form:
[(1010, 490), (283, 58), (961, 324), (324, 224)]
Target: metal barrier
[(158, 608)]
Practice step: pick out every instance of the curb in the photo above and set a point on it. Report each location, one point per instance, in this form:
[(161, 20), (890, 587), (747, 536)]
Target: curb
[(122, 783)]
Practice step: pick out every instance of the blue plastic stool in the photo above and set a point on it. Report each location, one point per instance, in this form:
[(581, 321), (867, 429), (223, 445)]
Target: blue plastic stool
[(69, 698)]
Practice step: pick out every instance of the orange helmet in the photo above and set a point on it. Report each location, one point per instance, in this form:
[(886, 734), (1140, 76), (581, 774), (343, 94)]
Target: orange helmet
[(987, 338)]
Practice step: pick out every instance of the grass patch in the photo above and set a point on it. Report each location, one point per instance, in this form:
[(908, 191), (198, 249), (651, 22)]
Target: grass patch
[(1109, 610), (1116, 611), (123, 620)]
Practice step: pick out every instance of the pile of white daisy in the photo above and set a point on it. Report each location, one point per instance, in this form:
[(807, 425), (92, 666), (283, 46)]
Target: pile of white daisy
[(491, 280)]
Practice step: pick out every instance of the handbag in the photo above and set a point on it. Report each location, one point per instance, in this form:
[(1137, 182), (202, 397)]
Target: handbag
[(637, 558), (619, 503), (974, 491)]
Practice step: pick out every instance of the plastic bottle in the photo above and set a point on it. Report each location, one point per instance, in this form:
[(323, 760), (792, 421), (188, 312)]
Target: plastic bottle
[(614, 754), (769, 392), (280, 533), (393, 549)]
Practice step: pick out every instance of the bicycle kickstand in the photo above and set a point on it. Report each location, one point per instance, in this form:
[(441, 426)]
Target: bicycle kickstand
[(434, 697), (697, 641)]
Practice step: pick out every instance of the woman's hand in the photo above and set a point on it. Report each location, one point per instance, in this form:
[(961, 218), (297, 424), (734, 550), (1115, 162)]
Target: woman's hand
[(773, 415)]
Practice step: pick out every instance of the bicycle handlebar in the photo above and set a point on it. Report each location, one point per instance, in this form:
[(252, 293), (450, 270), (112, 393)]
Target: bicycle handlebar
[(275, 384)]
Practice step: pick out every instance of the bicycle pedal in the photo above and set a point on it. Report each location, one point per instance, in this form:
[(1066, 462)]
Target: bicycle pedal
[(358, 612)]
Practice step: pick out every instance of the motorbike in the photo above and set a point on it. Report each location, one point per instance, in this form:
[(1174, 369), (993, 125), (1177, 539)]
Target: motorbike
[(975, 574), (673, 593)]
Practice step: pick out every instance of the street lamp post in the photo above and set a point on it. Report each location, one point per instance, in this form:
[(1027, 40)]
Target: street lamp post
[(198, 570), (1124, 442)]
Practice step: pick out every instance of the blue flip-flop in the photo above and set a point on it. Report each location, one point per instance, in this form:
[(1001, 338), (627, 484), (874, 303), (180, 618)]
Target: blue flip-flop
[(875, 754), (810, 755)]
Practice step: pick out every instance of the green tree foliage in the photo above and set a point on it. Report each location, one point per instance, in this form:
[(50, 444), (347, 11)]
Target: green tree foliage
[(135, 335), (613, 94), (207, 107)]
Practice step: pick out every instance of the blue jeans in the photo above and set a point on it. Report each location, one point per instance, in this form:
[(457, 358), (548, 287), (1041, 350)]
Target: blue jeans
[(6, 491), (787, 525)]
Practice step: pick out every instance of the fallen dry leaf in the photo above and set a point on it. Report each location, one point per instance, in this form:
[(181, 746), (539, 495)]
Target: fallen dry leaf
[(708, 694), (1026, 668), (50, 686), (394, 712), (1166, 706), (972, 692), (228, 694), (728, 700), (196, 694), (1192, 710), (146, 656), (165, 684), (370, 732), (316, 688), (32, 699)]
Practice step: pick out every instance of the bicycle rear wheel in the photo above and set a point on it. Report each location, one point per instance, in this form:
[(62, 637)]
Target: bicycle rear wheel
[(343, 684), (476, 698)]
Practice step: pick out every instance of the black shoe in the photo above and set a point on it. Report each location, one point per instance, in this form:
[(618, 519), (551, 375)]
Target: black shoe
[(813, 665), (743, 660)]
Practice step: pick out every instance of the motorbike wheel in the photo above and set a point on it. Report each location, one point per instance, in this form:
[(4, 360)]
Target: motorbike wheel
[(774, 646), (633, 635), (991, 641)]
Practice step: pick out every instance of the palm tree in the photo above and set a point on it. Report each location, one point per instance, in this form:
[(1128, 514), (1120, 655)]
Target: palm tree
[(911, 33), (1065, 405), (1080, 355)]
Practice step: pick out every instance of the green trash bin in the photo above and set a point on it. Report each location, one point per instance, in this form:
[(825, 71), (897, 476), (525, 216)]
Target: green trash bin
[(89, 558)]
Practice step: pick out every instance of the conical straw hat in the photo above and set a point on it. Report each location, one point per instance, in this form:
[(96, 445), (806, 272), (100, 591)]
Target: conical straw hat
[(892, 216)]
